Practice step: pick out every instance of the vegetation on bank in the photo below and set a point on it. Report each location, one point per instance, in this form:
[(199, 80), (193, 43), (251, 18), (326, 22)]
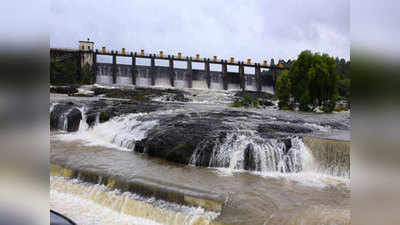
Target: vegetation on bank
[(66, 72), (249, 99), (312, 81)]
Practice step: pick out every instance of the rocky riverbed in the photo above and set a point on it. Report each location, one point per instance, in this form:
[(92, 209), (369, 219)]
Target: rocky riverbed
[(200, 129)]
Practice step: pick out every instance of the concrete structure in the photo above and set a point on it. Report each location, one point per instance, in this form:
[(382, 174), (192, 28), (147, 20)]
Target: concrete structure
[(153, 75), (86, 49)]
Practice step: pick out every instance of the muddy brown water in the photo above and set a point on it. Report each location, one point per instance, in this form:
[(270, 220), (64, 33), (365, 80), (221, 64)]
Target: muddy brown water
[(251, 198)]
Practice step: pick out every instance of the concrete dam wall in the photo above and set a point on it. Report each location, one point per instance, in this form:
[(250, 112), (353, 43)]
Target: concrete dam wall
[(146, 76)]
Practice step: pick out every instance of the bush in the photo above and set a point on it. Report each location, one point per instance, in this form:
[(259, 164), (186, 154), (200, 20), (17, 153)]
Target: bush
[(247, 101), (104, 116), (88, 75)]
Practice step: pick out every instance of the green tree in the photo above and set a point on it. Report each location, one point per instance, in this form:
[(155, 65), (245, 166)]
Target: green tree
[(313, 82), (88, 75), (299, 76), (63, 72), (283, 87), (344, 88)]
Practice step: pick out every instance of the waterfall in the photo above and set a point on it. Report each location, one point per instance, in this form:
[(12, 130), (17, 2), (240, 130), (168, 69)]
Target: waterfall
[(83, 124), (63, 120), (120, 132), (98, 204), (248, 151)]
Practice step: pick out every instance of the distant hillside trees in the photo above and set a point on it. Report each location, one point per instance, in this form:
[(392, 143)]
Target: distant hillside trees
[(312, 81)]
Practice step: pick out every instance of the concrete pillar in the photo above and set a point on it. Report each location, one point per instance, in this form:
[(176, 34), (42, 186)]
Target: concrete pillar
[(133, 69), (171, 70), (258, 76), (114, 67), (207, 69), (242, 77), (94, 67), (153, 70), (225, 78), (273, 77), (189, 72)]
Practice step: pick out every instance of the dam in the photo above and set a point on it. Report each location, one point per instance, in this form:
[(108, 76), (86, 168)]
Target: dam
[(171, 76), (160, 144)]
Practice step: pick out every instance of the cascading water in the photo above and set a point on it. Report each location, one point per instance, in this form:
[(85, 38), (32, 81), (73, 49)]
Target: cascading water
[(83, 125), (248, 151), (120, 132), (63, 120), (98, 204)]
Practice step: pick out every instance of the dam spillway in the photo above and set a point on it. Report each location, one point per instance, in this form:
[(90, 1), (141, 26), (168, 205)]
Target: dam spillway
[(147, 76)]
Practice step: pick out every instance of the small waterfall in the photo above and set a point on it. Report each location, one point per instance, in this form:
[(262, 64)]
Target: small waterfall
[(99, 204), (121, 132), (83, 124), (331, 157), (248, 151), (52, 107), (63, 120)]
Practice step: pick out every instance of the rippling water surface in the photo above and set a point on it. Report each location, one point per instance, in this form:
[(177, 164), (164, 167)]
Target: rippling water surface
[(269, 195)]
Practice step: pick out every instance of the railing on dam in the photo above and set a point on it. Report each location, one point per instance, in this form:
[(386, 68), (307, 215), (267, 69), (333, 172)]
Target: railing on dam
[(154, 75)]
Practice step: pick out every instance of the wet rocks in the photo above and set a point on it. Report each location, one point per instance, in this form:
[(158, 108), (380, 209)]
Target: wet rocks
[(65, 117), (272, 128), (63, 89), (250, 162), (74, 119), (178, 137), (177, 97), (253, 99)]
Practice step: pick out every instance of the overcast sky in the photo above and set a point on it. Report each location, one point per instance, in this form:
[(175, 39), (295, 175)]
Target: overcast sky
[(242, 29)]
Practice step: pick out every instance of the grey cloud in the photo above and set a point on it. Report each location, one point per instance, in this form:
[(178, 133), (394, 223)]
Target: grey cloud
[(242, 29)]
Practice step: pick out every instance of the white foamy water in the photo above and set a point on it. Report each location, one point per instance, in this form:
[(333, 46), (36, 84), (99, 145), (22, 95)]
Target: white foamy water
[(97, 204), (318, 127), (124, 80), (268, 155), (271, 159), (143, 82), (86, 212), (162, 82), (119, 132), (104, 79)]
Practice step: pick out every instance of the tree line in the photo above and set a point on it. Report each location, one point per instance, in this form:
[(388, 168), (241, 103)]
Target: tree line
[(314, 80), (66, 72)]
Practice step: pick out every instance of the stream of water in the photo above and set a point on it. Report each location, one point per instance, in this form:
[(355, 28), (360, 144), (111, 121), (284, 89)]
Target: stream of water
[(284, 186)]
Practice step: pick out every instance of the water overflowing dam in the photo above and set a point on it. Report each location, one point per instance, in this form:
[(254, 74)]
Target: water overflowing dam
[(148, 76), (187, 162)]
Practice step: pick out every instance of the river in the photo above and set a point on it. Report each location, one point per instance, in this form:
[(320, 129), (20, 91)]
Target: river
[(268, 167)]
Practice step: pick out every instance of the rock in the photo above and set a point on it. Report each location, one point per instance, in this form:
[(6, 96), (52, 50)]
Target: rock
[(249, 159), (283, 128), (74, 119), (288, 144), (177, 138), (63, 89), (180, 97), (62, 112), (264, 102)]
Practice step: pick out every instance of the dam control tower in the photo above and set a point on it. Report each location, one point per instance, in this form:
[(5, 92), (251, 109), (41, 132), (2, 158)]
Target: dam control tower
[(86, 49)]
